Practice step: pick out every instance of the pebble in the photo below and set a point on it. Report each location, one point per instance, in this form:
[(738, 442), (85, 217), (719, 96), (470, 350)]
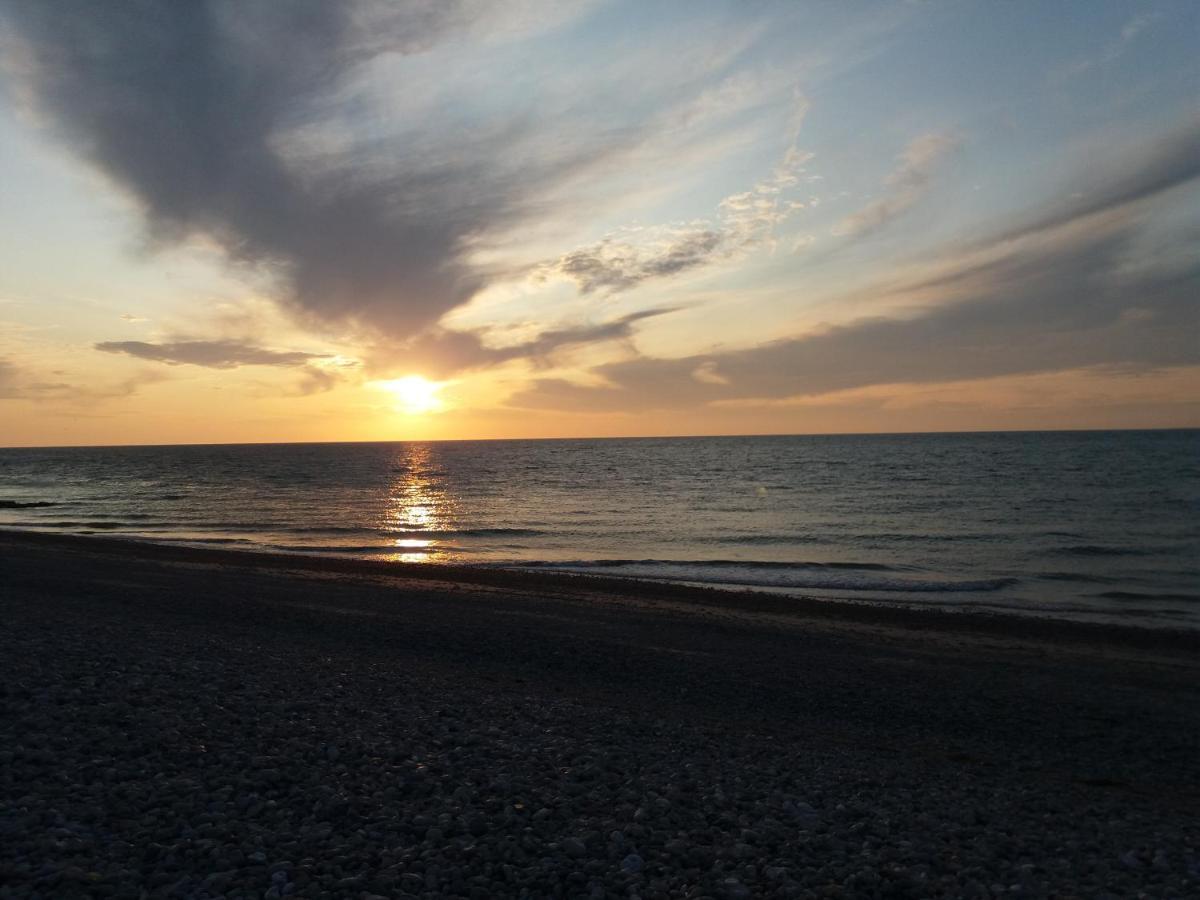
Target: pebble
[(139, 756), (632, 864)]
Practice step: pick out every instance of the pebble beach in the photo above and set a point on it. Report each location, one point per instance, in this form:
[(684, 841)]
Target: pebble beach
[(205, 724)]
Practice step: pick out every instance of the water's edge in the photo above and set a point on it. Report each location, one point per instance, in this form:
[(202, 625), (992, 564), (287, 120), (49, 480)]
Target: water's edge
[(1102, 526)]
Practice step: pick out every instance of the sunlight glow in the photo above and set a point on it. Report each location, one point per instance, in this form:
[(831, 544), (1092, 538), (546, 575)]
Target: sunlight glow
[(414, 543), (416, 394)]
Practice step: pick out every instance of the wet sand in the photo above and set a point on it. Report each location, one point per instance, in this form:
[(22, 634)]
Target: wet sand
[(198, 723)]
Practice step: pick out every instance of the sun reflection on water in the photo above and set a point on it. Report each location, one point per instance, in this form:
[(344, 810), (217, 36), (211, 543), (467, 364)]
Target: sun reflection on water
[(418, 502), (417, 517)]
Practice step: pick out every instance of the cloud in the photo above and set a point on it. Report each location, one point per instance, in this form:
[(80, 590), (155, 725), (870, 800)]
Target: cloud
[(1113, 51), (802, 243), (906, 185), (223, 354), (8, 380), (1170, 161), (126, 387), (317, 380), (549, 342), (229, 121), (1072, 287), (319, 372), (744, 222), (16, 384), (1137, 25), (620, 265), (442, 352), (707, 373)]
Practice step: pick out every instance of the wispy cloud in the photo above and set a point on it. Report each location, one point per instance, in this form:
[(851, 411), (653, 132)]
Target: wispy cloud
[(318, 380), (1110, 53), (906, 185), (19, 384), (222, 354), (1110, 184), (744, 222), (1137, 25), (8, 380), (1056, 292), (441, 352)]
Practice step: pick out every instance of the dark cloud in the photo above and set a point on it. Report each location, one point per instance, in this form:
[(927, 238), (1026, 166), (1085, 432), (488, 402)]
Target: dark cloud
[(189, 106), (618, 266), (181, 103), (1071, 289), (210, 354)]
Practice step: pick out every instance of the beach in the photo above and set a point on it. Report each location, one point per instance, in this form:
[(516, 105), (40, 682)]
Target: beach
[(183, 722)]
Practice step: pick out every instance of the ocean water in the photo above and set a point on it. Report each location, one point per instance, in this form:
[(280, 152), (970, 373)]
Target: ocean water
[(1092, 525)]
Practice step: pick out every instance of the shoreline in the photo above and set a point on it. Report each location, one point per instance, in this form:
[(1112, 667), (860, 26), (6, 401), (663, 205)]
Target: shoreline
[(958, 620), (181, 722)]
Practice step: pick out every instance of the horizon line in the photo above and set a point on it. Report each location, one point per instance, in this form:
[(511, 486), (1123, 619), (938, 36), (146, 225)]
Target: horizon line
[(637, 437)]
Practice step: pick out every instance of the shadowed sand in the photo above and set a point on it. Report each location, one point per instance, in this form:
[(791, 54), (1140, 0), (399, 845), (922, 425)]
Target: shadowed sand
[(202, 723)]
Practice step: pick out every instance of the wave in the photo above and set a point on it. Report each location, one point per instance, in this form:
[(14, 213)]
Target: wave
[(31, 504), (411, 531), (1138, 595), (319, 529), (1097, 550), (103, 524), (203, 540), (357, 550), (139, 525), (917, 537), (764, 539), (856, 577), (466, 532), (146, 524), (722, 563), (1074, 577), (69, 515), (387, 548)]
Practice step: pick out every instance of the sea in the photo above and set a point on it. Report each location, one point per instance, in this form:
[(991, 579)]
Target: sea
[(1101, 526)]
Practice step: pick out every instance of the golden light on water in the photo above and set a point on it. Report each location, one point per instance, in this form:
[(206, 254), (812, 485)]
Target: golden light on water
[(413, 543), (415, 394), (416, 516), (418, 505)]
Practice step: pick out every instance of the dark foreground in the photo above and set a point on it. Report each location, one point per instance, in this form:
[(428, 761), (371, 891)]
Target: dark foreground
[(195, 724)]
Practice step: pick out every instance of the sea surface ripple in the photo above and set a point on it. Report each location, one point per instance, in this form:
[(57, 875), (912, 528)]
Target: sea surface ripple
[(1091, 525)]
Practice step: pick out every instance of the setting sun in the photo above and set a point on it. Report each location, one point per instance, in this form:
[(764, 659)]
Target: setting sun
[(601, 448), (416, 395)]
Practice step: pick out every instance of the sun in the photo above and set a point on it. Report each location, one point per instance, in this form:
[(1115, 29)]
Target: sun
[(416, 394)]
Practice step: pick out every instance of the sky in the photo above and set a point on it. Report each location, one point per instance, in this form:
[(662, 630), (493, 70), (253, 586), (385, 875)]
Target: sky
[(293, 220)]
